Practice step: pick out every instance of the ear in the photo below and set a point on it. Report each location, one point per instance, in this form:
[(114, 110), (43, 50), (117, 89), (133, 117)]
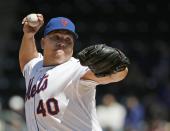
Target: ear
[(42, 43)]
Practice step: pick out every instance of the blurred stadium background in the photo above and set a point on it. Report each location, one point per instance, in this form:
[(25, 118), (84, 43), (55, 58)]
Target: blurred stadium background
[(140, 28)]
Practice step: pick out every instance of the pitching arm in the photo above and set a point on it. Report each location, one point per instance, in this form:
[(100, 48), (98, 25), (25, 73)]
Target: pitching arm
[(28, 49)]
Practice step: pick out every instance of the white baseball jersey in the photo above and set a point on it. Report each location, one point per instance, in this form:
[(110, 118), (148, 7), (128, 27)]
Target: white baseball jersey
[(57, 100)]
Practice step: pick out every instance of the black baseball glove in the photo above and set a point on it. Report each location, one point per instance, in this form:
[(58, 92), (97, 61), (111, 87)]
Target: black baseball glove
[(103, 60)]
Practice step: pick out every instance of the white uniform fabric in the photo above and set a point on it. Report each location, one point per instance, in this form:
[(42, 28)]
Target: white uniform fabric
[(57, 100)]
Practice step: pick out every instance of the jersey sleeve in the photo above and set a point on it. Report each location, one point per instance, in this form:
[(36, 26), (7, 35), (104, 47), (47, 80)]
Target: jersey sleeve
[(84, 85), (31, 64), (81, 69), (88, 83)]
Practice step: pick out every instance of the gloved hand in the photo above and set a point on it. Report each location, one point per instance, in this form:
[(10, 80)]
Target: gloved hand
[(103, 60)]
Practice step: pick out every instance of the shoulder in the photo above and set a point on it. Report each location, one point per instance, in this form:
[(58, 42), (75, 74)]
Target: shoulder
[(33, 65), (74, 60)]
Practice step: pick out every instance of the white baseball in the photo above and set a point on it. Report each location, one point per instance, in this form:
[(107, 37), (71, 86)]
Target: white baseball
[(32, 20)]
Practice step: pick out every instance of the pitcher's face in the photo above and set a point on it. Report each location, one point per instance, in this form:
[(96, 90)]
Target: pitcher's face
[(58, 46)]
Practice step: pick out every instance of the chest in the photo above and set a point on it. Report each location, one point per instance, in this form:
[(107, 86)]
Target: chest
[(51, 82)]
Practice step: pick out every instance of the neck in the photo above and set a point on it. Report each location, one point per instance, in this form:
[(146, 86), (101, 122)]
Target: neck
[(54, 62)]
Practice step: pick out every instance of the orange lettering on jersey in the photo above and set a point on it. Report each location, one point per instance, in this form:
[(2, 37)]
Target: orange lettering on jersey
[(36, 88)]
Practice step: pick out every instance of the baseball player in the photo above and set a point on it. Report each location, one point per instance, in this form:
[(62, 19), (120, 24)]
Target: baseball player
[(60, 90)]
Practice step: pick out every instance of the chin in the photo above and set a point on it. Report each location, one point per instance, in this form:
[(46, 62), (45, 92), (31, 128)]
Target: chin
[(59, 52), (61, 60)]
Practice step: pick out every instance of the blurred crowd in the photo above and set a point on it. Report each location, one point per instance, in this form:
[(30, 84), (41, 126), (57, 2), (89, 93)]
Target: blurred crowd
[(142, 100), (130, 115), (13, 118), (140, 29)]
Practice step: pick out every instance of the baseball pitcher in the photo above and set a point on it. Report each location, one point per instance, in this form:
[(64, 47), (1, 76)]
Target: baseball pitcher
[(60, 90)]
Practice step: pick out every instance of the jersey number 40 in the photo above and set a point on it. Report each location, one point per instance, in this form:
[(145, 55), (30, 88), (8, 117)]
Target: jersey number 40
[(52, 107)]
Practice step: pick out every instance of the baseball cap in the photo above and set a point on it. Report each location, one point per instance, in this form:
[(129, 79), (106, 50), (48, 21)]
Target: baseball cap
[(60, 23)]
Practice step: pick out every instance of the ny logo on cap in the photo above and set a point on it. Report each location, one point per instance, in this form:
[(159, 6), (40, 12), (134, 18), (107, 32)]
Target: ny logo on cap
[(64, 22)]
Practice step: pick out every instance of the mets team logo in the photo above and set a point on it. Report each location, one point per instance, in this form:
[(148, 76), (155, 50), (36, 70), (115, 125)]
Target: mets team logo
[(34, 89), (64, 22)]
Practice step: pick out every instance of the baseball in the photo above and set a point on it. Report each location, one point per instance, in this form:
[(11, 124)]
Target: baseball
[(32, 20)]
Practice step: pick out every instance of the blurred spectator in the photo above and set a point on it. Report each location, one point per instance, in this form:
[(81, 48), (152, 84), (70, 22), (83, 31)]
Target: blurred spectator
[(159, 125), (13, 119), (156, 114), (111, 114), (135, 115)]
